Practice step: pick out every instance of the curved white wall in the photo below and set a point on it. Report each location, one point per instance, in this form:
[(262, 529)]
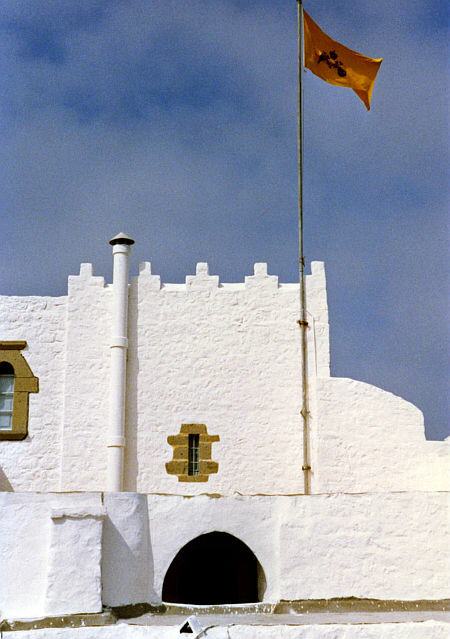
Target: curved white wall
[(369, 440)]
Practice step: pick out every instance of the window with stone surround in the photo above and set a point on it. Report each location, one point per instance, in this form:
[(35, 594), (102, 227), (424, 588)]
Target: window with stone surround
[(192, 450), (16, 383)]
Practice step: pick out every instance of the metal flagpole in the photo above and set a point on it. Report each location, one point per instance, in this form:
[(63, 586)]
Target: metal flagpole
[(302, 322)]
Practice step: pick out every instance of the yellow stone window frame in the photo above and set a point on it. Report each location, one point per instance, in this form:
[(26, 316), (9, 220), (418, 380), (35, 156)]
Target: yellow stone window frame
[(24, 384), (180, 463)]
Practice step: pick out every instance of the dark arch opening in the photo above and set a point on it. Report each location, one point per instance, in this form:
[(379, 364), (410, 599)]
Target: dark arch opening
[(213, 569)]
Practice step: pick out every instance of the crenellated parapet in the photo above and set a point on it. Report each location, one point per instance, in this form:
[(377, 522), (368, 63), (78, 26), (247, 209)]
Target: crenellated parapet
[(260, 280)]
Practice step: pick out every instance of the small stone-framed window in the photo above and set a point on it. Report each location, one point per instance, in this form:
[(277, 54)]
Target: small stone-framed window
[(192, 450), (16, 383)]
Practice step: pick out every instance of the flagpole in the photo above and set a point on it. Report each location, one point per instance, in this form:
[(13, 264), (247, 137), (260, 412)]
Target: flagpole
[(302, 322)]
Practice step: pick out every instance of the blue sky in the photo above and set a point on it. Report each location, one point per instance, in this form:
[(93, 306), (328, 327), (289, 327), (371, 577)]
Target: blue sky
[(176, 122)]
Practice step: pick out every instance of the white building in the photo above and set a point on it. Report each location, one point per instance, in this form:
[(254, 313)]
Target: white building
[(151, 450)]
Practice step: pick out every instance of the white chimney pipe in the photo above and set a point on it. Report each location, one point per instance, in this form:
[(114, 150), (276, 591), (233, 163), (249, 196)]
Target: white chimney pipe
[(121, 248)]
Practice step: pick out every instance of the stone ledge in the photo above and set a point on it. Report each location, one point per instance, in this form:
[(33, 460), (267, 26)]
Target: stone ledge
[(282, 607), (106, 618), (136, 610), (355, 604), (110, 616), (219, 609)]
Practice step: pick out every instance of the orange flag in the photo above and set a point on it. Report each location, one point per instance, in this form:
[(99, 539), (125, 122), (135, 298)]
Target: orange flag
[(337, 64)]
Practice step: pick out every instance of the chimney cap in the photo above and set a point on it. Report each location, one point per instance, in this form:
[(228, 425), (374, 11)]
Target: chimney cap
[(121, 238)]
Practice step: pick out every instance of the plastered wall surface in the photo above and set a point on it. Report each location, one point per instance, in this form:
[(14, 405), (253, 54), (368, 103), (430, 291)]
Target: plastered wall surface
[(370, 546), (367, 439), (128, 551), (86, 406), (34, 463), (255, 521), (74, 560), (28, 554), (224, 355), (227, 357), (385, 546), (425, 630), (310, 547)]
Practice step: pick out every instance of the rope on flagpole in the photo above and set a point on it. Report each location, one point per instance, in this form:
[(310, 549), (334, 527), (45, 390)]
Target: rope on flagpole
[(302, 322)]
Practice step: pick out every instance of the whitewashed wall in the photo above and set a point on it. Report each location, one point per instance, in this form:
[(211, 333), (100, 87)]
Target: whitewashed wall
[(380, 546), (367, 440), (310, 547), (86, 407), (43, 573), (34, 464), (226, 355)]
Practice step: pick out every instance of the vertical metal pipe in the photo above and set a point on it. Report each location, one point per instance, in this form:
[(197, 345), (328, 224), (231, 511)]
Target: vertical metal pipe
[(121, 248), (302, 322)]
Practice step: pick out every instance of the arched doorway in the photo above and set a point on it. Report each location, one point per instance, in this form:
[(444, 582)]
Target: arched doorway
[(215, 568)]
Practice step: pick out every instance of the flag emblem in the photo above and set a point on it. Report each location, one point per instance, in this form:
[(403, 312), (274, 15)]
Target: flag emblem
[(333, 62)]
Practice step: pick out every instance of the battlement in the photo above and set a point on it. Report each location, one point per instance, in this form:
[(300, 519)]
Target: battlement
[(202, 280), (260, 284)]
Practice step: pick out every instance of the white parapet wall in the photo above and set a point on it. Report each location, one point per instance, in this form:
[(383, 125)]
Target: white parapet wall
[(373, 546), (50, 552), (318, 547)]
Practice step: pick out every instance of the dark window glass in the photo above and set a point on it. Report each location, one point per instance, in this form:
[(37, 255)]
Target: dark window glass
[(193, 458)]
